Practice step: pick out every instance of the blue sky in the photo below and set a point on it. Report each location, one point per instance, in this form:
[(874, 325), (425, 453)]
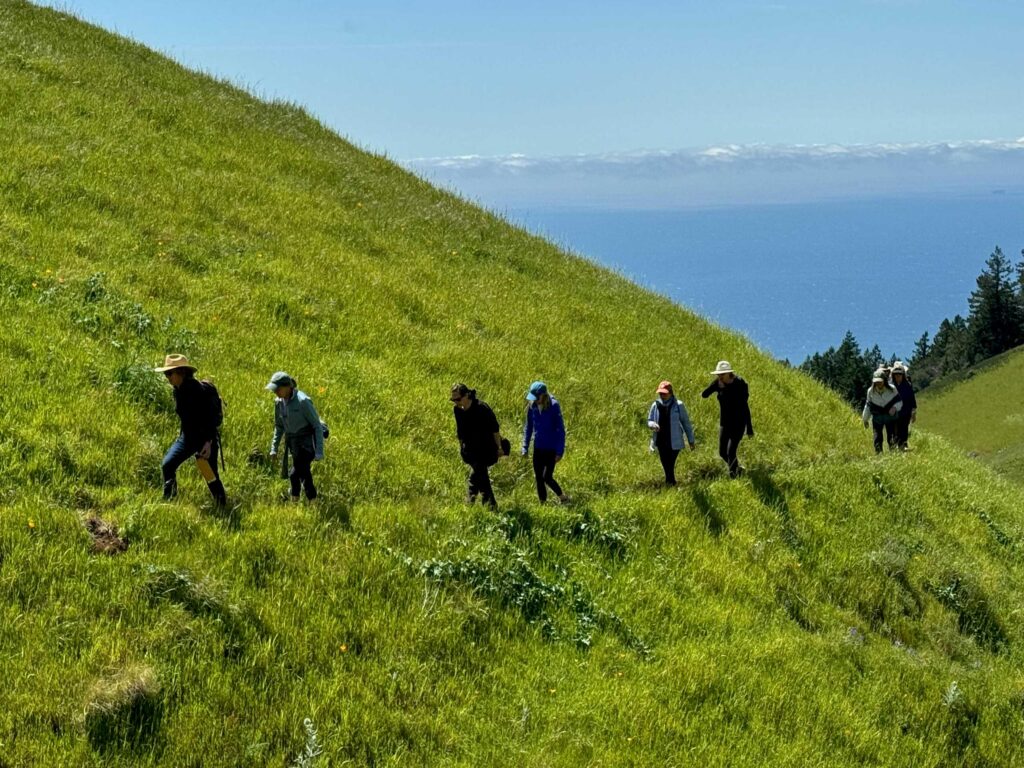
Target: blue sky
[(417, 80)]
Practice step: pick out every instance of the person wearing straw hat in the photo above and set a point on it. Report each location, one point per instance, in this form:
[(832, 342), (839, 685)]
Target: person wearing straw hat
[(669, 421), (200, 410), (882, 406), (480, 442), (734, 413), (296, 420), (545, 425)]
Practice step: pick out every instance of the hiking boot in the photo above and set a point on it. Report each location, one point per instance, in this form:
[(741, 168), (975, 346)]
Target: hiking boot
[(170, 490), (220, 498)]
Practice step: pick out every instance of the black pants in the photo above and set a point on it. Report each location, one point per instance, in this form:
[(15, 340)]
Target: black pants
[(668, 456), (902, 430), (544, 472), (301, 474), (728, 442), (480, 484), (890, 434)]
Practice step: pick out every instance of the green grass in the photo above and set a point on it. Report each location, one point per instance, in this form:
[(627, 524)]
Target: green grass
[(981, 411), (829, 608)]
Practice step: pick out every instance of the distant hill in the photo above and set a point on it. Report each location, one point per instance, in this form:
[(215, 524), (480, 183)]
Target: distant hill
[(982, 412), (829, 608)]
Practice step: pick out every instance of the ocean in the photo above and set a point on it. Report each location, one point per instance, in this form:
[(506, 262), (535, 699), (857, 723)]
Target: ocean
[(794, 278)]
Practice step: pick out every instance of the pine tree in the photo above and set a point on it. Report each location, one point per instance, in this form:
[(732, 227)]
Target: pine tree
[(996, 320)]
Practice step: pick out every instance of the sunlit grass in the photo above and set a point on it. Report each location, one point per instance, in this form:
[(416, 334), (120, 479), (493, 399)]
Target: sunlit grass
[(982, 413), (829, 608)]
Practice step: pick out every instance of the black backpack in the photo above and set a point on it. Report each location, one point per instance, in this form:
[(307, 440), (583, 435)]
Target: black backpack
[(216, 404)]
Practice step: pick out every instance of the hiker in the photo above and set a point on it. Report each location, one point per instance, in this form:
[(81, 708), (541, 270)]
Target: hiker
[(200, 409), (882, 407), (545, 425), (296, 420), (900, 379), (479, 442), (668, 421), (734, 411)]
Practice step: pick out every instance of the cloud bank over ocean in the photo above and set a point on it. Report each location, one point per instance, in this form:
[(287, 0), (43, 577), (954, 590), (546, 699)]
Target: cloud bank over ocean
[(733, 174)]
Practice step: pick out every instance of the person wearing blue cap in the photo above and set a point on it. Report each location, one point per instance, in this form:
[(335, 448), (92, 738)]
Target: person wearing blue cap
[(545, 425), (296, 420)]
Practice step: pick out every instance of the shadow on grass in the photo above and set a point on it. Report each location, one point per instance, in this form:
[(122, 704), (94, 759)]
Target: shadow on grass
[(125, 713), (713, 518), (773, 498)]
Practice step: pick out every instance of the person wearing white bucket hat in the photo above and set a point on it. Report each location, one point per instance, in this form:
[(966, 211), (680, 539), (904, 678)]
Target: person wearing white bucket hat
[(882, 406), (734, 413)]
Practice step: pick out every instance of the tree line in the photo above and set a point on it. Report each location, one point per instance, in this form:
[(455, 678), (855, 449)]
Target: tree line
[(994, 324)]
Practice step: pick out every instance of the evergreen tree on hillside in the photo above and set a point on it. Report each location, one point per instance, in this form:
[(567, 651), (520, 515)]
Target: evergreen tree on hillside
[(844, 368), (996, 319)]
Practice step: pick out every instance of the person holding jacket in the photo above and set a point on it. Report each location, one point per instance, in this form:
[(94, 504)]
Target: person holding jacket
[(908, 404), (669, 421), (479, 442), (199, 408), (734, 418), (882, 407), (545, 425), (296, 420)]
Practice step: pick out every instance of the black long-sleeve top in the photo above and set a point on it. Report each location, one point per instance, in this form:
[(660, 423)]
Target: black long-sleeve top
[(476, 427), (197, 411), (732, 403)]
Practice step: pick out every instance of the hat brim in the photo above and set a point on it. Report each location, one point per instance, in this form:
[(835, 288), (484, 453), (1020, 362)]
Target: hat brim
[(166, 368), (663, 391), (530, 396), (719, 373), (272, 387)]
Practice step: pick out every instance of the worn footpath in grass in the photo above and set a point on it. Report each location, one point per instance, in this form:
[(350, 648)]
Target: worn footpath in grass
[(829, 608)]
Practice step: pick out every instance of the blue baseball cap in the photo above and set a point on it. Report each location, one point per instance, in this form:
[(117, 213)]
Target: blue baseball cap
[(537, 389)]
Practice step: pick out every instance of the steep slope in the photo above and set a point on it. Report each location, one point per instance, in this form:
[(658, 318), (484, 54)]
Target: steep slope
[(982, 412), (828, 608)]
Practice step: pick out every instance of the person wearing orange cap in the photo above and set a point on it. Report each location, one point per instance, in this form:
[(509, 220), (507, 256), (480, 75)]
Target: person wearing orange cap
[(668, 420)]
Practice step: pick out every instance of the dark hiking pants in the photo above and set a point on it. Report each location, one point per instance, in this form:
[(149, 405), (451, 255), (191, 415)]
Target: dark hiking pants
[(728, 442), (480, 485), (301, 474), (668, 456), (902, 430), (544, 472), (890, 434)]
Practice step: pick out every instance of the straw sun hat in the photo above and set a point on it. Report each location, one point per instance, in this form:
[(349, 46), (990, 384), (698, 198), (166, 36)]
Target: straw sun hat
[(173, 362)]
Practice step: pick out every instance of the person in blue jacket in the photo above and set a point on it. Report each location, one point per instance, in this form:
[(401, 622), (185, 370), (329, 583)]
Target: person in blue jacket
[(668, 420), (296, 420), (545, 425)]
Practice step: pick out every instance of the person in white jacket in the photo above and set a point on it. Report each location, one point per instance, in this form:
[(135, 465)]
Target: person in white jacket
[(881, 407)]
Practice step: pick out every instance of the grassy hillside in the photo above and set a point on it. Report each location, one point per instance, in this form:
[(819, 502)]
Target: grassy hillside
[(829, 608), (982, 412)]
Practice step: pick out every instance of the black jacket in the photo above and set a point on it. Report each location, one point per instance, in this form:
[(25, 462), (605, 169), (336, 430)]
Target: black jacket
[(475, 427), (732, 404), (197, 410)]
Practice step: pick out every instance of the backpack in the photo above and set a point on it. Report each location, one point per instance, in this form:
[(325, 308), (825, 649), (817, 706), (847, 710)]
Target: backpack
[(216, 404)]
